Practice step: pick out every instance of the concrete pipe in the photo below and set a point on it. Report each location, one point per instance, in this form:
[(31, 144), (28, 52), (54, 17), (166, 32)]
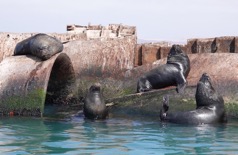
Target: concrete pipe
[(27, 83)]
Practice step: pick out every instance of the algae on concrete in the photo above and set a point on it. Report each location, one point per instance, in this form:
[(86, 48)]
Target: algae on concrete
[(33, 103), (150, 103)]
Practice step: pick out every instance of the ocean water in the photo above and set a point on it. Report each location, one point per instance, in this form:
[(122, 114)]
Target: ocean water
[(119, 135)]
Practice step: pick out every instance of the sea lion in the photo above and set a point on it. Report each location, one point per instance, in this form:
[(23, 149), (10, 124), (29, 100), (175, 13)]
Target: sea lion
[(210, 106), (94, 104), (173, 73), (40, 45)]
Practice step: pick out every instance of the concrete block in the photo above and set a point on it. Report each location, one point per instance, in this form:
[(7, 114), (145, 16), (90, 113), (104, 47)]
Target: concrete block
[(93, 34), (236, 45), (150, 53), (225, 44), (125, 31), (106, 33), (164, 51), (191, 46), (138, 55), (206, 45)]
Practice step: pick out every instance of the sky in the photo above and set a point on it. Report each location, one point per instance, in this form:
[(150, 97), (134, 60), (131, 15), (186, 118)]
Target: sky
[(162, 20)]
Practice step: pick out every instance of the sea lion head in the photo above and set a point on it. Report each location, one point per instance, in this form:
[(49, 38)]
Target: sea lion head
[(179, 57), (205, 81), (143, 85), (94, 103), (96, 87), (176, 49), (44, 46), (175, 52), (206, 94)]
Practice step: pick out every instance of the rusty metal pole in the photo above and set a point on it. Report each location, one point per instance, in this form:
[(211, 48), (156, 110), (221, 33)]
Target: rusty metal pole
[(25, 82)]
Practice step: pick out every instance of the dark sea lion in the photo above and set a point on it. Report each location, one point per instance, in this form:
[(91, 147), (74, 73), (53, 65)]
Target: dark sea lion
[(94, 104), (210, 106), (173, 73), (40, 45)]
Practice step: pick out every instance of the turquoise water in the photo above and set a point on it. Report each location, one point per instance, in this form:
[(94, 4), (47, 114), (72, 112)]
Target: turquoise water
[(116, 135)]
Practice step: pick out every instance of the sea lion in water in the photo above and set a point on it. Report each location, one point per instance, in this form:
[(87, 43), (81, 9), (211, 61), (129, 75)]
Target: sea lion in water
[(94, 104), (210, 106), (173, 73), (40, 45)]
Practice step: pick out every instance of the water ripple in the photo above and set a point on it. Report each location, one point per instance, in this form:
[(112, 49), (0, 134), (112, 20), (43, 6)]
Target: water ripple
[(115, 135)]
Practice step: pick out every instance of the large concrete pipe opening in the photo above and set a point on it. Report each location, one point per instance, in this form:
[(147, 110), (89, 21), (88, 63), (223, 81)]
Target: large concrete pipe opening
[(27, 83), (61, 81)]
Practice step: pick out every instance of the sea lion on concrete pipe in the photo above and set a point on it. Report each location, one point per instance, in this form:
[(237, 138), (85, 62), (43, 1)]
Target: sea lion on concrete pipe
[(94, 104), (173, 73), (40, 45), (210, 107)]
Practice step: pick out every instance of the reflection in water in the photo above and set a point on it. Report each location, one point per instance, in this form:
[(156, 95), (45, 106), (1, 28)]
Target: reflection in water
[(200, 139), (117, 135), (22, 134)]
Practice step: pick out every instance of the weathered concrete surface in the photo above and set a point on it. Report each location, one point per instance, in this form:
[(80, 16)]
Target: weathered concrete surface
[(191, 46), (102, 58), (225, 44), (212, 45), (26, 83), (206, 45), (99, 31), (149, 103), (150, 53), (164, 51), (138, 55), (236, 44)]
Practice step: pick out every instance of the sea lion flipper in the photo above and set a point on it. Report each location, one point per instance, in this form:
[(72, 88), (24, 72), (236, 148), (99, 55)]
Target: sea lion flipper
[(180, 87), (165, 107), (166, 103)]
